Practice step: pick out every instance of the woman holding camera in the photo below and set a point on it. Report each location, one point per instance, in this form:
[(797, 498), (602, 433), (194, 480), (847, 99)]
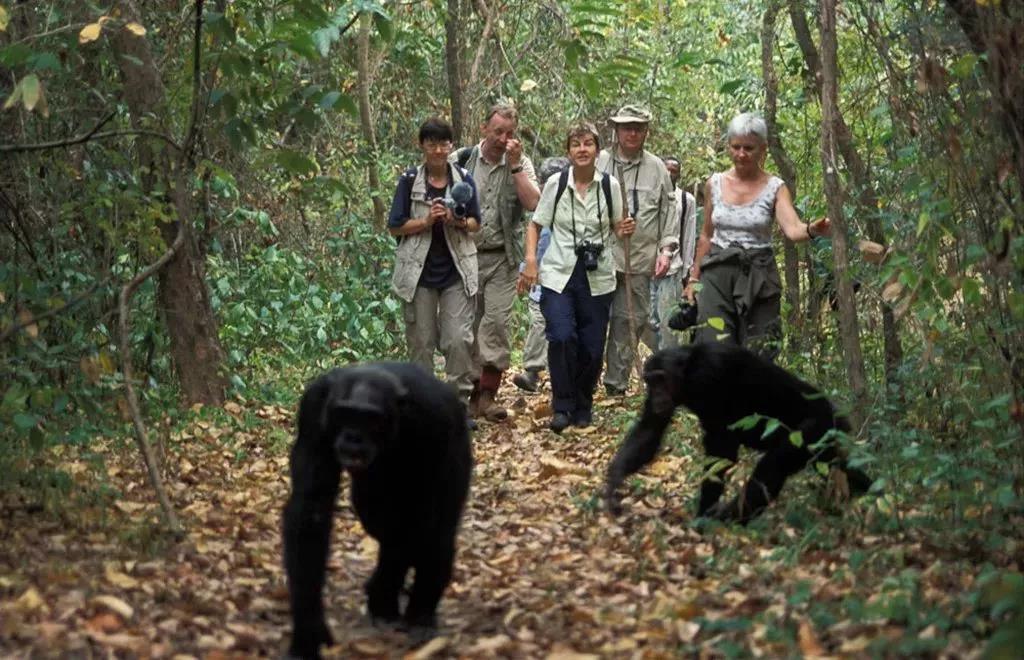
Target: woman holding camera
[(583, 210), (435, 261), (734, 261)]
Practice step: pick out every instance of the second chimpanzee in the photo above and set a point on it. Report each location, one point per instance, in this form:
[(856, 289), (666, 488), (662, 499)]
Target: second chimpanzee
[(722, 383), (401, 434)]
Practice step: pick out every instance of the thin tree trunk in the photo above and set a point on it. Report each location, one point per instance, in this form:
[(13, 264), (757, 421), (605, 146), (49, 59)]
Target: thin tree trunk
[(848, 326), (182, 295), (785, 164), (867, 201), (997, 32), (453, 66), (366, 118)]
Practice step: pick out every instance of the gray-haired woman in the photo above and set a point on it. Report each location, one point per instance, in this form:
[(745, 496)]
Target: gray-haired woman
[(734, 261)]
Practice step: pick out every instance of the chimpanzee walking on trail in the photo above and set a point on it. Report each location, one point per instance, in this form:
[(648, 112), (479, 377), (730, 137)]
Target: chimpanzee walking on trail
[(401, 434), (722, 383)]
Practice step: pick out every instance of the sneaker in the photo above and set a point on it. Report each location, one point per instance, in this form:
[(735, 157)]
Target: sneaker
[(559, 422), (614, 391), (528, 380), (582, 418)]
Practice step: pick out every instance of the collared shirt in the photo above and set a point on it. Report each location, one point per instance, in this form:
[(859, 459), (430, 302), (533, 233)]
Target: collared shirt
[(649, 200), (682, 259), (590, 214), (489, 178)]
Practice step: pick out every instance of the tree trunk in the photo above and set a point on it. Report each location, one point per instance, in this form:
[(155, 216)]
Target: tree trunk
[(779, 155), (182, 295), (867, 201), (848, 327), (366, 118), (997, 32), (453, 66)]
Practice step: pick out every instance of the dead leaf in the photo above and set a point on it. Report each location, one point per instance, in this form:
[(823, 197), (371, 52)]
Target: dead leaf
[(490, 644), (30, 601), (135, 29), (90, 32), (872, 252), (105, 622), (114, 604), (119, 579), (892, 291), (556, 467), (687, 631), (428, 650), (808, 640)]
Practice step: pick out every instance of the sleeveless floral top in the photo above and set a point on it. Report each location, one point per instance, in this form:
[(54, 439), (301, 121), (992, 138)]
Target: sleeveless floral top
[(750, 224)]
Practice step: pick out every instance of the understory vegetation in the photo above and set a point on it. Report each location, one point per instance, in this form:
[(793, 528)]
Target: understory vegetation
[(267, 138)]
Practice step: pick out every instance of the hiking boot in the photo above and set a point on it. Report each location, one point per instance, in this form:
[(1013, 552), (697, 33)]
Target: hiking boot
[(559, 422), (582, 418), (488, 409), (614, 391), (529, 380)]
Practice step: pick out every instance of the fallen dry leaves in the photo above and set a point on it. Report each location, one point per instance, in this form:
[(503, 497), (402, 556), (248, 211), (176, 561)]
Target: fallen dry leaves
[(541, 571)]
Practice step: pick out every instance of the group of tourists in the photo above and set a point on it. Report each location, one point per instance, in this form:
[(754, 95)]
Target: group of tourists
[(609, 252)]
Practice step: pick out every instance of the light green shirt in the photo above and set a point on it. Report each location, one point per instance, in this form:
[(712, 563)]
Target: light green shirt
[(657, 225), (590, 213)]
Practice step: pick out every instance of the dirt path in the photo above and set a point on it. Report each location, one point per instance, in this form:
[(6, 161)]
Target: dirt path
[(541, 571)]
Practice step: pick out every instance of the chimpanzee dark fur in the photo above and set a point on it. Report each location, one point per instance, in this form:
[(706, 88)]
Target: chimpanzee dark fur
[(722, 383), (402, 436)]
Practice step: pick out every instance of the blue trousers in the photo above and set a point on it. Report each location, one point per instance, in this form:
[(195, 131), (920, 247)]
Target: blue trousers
[(577, 324)]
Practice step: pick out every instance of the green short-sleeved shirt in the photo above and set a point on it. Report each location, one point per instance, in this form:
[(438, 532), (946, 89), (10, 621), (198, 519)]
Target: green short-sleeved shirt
[(560, 257)]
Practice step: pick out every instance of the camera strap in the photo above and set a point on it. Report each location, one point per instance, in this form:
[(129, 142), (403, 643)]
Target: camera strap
[(563, 183)]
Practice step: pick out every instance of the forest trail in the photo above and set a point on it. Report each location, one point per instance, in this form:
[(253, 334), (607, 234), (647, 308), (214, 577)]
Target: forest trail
[(541, 572)]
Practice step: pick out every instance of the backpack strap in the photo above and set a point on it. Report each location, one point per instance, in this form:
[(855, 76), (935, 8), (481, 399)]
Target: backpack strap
[(563, 182), (606, 186), (465, 154)]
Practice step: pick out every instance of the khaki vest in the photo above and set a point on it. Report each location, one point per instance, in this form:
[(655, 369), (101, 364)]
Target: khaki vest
[(411, 253), (510, 211)]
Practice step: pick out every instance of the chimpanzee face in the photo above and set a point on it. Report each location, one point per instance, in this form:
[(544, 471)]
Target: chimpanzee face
[(665, 374), (362, 421), (359, 436)]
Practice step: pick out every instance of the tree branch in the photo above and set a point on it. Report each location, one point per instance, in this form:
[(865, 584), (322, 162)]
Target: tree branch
[(10, 331)]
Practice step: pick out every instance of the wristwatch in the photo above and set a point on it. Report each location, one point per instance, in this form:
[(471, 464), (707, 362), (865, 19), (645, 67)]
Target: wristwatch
[(517, 169)]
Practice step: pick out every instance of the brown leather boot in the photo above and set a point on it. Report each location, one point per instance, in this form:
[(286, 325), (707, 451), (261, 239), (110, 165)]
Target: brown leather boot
[(488, 409)]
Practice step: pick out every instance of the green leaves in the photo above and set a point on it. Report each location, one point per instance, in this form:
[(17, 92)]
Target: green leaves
[(336, 100), (294, 162)]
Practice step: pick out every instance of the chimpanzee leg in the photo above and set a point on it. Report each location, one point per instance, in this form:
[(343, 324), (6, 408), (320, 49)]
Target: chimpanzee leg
[(722, 450), (307, 530), (767, 480), (829, 452), (638, 449), (384, 585), (433, 573)]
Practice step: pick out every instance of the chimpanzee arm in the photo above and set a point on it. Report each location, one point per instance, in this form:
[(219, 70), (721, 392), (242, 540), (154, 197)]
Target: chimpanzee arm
[(638, 449), (308, 515)]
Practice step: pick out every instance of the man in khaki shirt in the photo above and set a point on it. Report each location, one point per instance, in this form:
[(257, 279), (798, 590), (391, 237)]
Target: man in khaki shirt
[(507, 186), (650, 202)]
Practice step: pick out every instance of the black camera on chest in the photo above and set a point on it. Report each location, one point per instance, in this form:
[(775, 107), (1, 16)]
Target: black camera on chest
[(589, 253)]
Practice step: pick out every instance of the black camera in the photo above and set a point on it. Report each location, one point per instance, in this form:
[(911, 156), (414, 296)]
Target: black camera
[(589, 253), (461, 195), (684, 317)]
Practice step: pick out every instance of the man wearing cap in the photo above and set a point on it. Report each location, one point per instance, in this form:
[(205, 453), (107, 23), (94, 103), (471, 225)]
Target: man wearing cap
[(650, 204), (507, 186)]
